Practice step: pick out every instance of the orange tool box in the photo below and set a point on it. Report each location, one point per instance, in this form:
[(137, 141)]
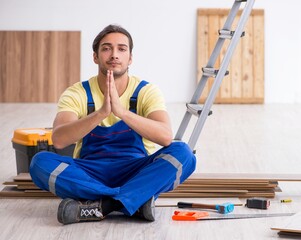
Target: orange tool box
[(29, 141)]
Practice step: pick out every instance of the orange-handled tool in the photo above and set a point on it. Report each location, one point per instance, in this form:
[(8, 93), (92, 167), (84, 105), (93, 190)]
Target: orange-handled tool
[(188, 216)]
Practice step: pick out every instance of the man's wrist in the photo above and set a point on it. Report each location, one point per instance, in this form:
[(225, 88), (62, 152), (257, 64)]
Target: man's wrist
[(123, 114), (101, 115)]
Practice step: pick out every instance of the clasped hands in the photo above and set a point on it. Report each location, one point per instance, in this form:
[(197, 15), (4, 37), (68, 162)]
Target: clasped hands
[(111, 102)]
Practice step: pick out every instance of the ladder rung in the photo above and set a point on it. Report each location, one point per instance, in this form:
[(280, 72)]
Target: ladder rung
[(228, 34), (196, 109), (211, 72)]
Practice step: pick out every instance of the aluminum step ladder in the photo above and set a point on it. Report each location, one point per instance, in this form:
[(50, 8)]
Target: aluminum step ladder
[(202, 111)]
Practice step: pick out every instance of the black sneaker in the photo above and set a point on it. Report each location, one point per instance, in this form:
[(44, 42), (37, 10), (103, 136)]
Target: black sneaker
[(72, 211), (147, 210)]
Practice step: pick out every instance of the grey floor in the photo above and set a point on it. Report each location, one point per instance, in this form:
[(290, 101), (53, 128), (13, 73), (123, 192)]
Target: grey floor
[(235, 139)]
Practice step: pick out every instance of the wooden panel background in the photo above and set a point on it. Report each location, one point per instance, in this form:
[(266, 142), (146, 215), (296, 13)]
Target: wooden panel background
[(245, 82), (36, 66)]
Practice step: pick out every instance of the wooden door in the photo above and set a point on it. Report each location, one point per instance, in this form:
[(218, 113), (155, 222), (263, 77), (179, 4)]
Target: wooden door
[(36, 66)]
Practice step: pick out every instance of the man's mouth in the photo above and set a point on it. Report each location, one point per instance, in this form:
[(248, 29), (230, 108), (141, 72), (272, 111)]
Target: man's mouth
[(113, 63)]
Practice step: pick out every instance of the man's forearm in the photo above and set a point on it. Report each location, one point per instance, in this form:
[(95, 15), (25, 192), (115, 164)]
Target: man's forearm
[(69, 132), (157, 131)]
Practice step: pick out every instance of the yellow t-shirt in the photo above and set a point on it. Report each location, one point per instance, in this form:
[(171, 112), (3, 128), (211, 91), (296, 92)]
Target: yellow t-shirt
[(74, 99)]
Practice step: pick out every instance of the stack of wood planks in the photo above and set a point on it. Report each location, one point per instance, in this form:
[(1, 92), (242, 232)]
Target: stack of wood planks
[(199, 185), (21, 186), (209, 185)]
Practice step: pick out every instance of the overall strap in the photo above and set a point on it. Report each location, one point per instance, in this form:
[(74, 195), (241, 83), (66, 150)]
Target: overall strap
[(90, 102), (133, 99)]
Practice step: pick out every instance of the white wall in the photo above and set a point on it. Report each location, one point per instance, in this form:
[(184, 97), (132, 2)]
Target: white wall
[(164, 34)]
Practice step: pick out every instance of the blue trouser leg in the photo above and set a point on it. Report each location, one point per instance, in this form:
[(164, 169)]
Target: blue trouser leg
[(62, 176), (149, 176), (169, 167)]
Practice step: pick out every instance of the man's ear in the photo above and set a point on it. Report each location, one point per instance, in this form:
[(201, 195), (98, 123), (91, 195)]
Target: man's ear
[(95, 57)]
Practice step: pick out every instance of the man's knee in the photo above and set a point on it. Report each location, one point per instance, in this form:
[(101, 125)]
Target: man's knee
[(181, 148), (44, 161), (182, 157), (37, 158), (182, 152)]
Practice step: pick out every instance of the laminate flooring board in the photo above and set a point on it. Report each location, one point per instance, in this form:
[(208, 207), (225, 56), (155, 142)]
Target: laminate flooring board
[(245, 177), (290, 227), (248, 139)]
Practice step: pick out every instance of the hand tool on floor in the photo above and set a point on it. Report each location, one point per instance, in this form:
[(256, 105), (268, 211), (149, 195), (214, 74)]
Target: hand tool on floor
[(193, 216), (188, 216), (247, 215), (221, 208)]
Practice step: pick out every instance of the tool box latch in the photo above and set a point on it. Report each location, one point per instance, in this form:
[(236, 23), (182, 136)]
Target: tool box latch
[(42, 145)]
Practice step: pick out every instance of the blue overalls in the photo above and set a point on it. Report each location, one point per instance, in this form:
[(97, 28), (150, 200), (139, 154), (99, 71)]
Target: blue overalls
[(113, 162)]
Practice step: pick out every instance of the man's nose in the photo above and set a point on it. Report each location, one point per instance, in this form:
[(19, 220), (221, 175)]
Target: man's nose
[(114, 54)]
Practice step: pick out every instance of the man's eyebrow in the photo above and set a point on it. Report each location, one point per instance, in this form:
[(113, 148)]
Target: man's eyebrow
[(110, 44)]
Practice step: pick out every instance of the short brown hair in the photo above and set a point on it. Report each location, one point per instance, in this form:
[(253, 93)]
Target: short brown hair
[(111, 29)]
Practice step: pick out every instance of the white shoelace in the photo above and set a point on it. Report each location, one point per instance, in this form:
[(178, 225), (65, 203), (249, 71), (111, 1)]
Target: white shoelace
[(90, 212)]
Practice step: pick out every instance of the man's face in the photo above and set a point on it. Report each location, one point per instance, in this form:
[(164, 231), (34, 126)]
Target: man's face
[(113, 54)]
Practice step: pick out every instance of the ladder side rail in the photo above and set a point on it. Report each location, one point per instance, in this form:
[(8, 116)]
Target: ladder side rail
[(200, 87), (221, 73), (202, 83), (197, 129), (229, 21), (232, 14), (183, 126)]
